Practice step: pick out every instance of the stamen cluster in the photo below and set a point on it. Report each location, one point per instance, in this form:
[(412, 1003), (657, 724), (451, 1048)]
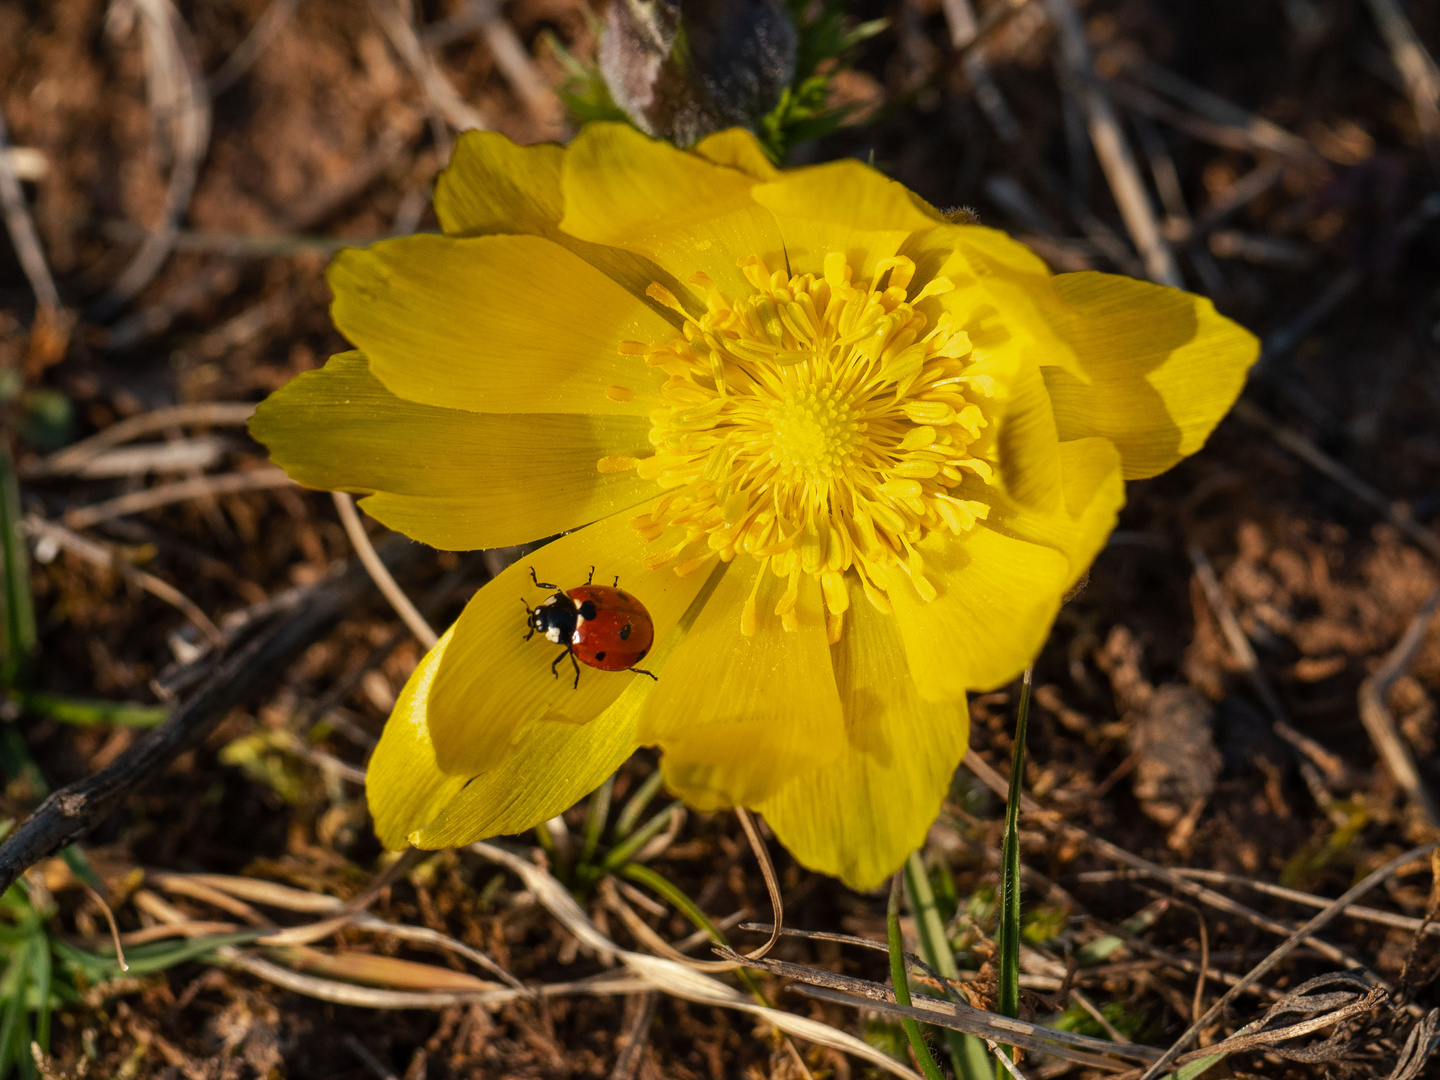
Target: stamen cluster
[(816, 425)]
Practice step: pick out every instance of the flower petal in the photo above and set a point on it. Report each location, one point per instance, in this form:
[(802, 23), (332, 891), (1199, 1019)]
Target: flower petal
[(403, 785), (494, 186), (738, 717), (1157, 368), (494, 324), (843, 206), (448, 478), (1092, 488), (493, 682), (858, 817), (627, 190), (997, 600), (736, 148)]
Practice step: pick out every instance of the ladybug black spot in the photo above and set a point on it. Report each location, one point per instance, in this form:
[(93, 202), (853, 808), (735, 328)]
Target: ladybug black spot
[(642, 655), (625, 632), (622, 595), (599, 656)]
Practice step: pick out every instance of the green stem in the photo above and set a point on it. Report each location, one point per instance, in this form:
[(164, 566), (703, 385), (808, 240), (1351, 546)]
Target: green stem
[(902, 984), (1008, 938), (968, 1055)]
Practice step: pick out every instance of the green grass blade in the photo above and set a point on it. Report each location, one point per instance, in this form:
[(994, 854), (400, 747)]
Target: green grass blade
[(663, 886), (622, 853), (84, 711), (969, 1056), (12, 992), (19, 626), (42, 972), (636, 804), (1008, 937), (595, 817), (902, 984)]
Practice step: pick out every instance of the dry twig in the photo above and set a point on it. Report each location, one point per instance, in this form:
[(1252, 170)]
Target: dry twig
[(1380, 724), (269, 476), (182, 110), (1115, 155), (98, 555)]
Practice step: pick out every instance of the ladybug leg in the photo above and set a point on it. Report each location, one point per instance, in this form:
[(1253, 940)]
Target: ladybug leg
[(576, 665), (591, 578), (556, 662), (617, 582), (541, 584), (642, 671)]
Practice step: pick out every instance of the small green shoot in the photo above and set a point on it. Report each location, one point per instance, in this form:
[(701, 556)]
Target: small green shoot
[(1007, 939), (19, 641), (901, 981), (969, 1056)]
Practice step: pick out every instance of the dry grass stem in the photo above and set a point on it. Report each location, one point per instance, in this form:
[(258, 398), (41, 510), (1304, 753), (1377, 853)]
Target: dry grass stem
[(204, 487), (384, 581), (1114, 152), (42, 531)]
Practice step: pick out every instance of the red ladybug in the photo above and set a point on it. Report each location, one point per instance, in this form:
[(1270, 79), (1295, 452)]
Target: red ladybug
[(601, 626)]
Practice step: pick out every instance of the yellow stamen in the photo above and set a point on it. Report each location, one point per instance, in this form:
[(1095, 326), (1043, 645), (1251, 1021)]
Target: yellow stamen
[(819, 424)]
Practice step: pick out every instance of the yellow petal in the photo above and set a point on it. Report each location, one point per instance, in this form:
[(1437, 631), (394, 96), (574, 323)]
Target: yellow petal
[(494, 186), (494, 683), (736, 148), (997, 600), (403, 785), (627, 190), (1092, 490), (551, 767), (859, 816), (737, 716), (1156, 368), (843, 206), (494, 324), (451, 479)]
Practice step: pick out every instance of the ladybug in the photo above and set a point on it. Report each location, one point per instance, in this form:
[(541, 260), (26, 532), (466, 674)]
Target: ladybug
[(601, 626)]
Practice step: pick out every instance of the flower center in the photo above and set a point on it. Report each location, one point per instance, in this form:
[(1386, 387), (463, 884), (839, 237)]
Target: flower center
[(818, 425), (815, 434)]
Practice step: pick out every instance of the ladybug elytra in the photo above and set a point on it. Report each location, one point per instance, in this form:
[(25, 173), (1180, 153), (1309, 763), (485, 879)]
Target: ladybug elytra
[(601, 626)]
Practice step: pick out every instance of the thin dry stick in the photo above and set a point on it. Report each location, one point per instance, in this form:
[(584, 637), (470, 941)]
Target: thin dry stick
[(993, 780), (1422, 77), (99, 555), (179, 97), (1240, 646), (1115, 155), (206, 414), (249, 50), (1380, 724), (516, 64), (1356, 911), (961, 18), (676, 979), (633, 1039), (355, 529), (772, 883), (23, 236), (443, 97), (1252, 132), (1299, 937), (1397, 513), (110, 921), (83, 517)]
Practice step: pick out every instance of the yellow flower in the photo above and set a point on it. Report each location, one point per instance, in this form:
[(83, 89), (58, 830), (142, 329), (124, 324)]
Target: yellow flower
[(850, 454)]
